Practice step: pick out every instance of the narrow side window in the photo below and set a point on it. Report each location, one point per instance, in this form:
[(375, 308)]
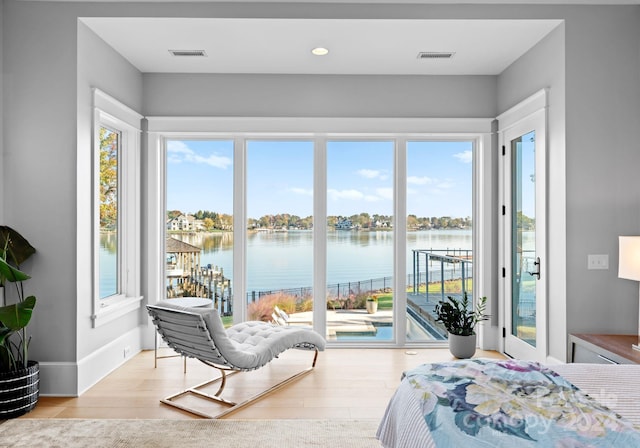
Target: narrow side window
[(116, 211)]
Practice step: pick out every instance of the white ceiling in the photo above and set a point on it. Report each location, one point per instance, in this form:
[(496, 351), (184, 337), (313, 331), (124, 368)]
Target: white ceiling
[(482, 47)]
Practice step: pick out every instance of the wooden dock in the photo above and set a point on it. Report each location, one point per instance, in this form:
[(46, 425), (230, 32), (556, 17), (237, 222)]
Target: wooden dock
[(187, 278)]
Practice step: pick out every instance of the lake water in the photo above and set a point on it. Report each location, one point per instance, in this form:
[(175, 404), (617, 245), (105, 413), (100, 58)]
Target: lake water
[(282, 260)]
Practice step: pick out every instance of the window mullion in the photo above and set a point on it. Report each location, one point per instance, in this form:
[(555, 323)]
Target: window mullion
[(400, 242), (320, 235), (239, 229)]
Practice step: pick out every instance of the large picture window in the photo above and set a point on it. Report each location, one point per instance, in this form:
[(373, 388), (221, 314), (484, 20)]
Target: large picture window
[(324, 223), (116, 199)]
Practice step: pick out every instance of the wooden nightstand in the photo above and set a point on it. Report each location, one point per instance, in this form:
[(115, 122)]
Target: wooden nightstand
[(604, 348)]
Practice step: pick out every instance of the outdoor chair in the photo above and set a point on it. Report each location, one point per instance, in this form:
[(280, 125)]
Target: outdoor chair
[(199, 333), (279, 316)]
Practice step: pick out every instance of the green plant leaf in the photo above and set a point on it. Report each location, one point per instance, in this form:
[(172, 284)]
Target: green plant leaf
[(17, 316), (18, 248), (5, 332), (10, 273)]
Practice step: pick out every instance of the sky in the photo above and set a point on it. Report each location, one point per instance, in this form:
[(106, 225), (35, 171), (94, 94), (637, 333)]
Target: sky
[(525, 174), (359, 177)]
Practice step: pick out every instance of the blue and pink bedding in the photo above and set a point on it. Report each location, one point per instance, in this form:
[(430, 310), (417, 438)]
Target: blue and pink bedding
[(506, 403)]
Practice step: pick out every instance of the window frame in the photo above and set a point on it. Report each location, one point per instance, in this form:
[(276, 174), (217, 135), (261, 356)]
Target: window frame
[(113, 115), (321, 130)]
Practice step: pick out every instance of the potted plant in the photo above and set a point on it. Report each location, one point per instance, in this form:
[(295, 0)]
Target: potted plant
[(372, 304), (19, 376), (460, 319)]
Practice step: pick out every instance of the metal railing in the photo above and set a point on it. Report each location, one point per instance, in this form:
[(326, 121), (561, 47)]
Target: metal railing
[(442, 266)]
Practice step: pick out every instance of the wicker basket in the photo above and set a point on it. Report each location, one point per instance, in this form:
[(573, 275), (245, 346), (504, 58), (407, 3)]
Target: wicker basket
[(19, 391)]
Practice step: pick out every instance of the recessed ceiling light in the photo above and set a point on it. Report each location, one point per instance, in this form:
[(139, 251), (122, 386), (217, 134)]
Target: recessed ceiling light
[(320, 51)]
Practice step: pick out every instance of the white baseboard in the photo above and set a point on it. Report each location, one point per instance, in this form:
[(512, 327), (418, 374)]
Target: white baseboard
[(489, 339), (106, 359), (70, 379)]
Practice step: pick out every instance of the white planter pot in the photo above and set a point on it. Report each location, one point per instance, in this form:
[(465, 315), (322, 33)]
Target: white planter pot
[(372, 306), (462, 347)]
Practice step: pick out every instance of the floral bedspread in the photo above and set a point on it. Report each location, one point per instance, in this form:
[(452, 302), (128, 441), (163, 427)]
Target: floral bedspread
[(481, 402)]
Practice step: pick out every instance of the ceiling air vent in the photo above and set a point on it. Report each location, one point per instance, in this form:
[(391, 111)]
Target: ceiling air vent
[(436, 54), (188, 53)]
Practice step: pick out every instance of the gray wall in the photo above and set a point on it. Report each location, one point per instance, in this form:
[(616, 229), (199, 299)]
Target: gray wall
[(44, 196), (47, 141), (319, 96), (603, 186), (101, 67), (544, 67), (39, 179), (1, 119)]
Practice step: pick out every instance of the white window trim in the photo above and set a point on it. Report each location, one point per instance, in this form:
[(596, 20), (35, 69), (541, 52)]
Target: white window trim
[(109, 112), (239, 129)]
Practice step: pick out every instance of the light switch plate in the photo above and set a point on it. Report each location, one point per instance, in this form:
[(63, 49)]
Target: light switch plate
[(600, 261)]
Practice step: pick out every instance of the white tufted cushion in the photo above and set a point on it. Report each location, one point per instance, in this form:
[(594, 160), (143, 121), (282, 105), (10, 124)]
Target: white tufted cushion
[(248, 345)]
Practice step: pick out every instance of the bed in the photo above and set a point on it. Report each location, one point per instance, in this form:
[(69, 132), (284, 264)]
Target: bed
[(507, 403)]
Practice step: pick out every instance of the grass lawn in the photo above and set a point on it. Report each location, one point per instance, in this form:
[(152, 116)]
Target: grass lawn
[(450, 286), (385, 300)]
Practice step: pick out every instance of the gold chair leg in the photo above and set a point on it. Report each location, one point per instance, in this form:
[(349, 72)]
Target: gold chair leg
[(233, 406)]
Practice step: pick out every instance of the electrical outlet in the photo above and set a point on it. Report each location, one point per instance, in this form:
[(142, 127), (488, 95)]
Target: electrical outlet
[(127, 351), (598, 261)]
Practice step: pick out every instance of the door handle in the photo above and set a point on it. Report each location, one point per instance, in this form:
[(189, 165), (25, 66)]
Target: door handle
[(537, 271)]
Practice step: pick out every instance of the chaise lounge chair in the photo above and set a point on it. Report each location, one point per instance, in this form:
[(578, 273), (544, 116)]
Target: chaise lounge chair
[(199, 333)]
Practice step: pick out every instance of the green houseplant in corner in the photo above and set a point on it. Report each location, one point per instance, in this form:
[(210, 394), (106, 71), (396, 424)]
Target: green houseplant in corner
[(460, 319), (19, 376)]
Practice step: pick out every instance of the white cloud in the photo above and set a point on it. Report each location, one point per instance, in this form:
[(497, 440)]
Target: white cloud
[(415, 180), (353, 195), (373, 174), (302, 191), (371, 198), (464, 157), (214, 160), (385, 193), (179, 152), (446, 184), (178, 147), (369, 174)]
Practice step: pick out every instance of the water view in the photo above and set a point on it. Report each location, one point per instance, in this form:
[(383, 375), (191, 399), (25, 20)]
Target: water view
[(353, 256), (280, 259), (278, 191)]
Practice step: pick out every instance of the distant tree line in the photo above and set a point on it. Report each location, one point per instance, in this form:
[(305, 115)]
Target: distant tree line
[(108, 180), (210, 220), (280, 221), (438, 222), (524, 222), (220, 221)]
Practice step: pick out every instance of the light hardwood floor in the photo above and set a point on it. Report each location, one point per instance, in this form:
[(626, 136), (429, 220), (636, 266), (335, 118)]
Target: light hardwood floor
[(346, 384)]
